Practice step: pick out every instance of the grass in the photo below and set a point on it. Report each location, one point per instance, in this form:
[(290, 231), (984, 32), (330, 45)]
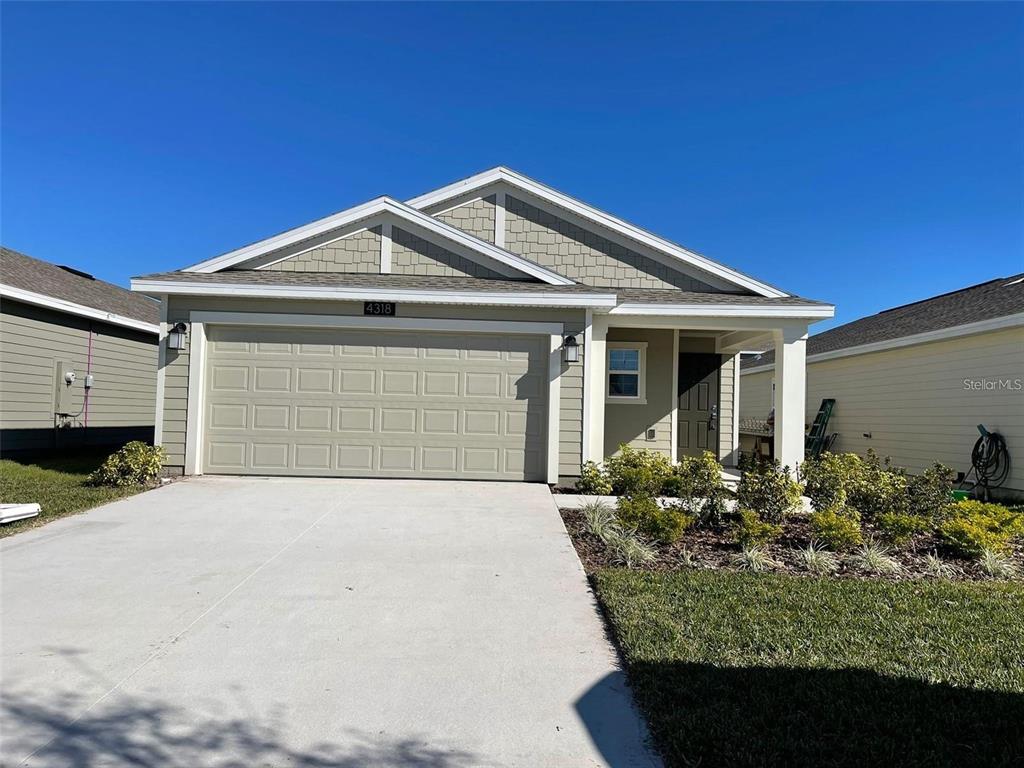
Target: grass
[(767, 669), (57, 484)]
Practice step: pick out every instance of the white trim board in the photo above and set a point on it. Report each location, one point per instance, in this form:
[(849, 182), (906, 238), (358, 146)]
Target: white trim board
[(607, 221), (400, 212), (60, 305), (942, 334), (199, 320), (352, 293), (815, 311)]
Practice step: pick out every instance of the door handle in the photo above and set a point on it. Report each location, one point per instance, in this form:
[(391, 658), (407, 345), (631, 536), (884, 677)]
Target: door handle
[(713, 418)]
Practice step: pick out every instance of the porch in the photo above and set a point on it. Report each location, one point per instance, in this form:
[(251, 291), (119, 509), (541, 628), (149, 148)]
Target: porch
[(670, 383)]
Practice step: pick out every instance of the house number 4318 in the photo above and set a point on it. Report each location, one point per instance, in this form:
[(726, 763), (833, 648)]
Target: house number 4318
[(379, 308)]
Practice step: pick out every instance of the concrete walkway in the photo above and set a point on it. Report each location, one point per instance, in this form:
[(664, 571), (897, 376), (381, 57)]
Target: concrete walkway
[(252, 622)]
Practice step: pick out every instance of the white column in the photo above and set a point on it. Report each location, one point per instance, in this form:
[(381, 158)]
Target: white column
[(790, 394), (595, 359)]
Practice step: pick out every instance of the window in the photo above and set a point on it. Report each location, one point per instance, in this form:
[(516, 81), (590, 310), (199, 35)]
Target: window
[(627, 362)]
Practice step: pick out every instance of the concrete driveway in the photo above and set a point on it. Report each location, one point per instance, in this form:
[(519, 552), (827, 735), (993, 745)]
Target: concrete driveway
[(251, 622)]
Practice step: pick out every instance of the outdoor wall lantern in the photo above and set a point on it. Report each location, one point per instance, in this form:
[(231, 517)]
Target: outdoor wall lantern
[(176, 336), (571, 349)]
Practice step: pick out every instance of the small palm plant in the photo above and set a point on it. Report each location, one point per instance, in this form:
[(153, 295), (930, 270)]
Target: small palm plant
[(996, 565), (873, 557), (818, 560)]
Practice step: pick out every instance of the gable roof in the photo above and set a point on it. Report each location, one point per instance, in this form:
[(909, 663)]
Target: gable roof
[(980, 307), (605, 220), (33, 281), (487, 252)]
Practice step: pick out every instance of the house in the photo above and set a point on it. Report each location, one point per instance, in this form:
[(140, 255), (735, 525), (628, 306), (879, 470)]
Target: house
[(77, 359), (914, 382), (494, 328)]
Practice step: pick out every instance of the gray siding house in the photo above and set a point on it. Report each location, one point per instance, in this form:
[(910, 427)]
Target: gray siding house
[(494, 328), (913, 382), (77, 359)]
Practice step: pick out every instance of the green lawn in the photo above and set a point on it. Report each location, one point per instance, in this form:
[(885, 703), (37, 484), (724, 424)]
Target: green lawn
[(57, 484), (759, 669)]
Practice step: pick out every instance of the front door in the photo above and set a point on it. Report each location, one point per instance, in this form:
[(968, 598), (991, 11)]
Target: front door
[(698, 403)]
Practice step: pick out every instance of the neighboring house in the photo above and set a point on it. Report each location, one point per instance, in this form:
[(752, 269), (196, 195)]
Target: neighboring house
[(914, 382), (77, 359), (491, 329)]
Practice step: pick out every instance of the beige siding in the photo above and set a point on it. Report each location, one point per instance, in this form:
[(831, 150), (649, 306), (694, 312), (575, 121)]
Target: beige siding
[(476, 218), (629, 422), (356, 253), (727, 448), (176, 370), (412, 255), (34, 340), (584, 255), (756, 395), (913, 401)]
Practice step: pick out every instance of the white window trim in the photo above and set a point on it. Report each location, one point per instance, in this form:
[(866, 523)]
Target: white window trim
[(641, 397), (199, 320)]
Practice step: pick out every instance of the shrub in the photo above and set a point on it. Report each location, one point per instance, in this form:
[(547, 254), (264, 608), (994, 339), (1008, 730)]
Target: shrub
[(685, 559), (697, 482), (930, 493), (899, 528), (638, 472), (768, 490), (754, 558), (134, 464), (628, 549), (996, 565), (593, 480), (837, 527), (600, 520), (871, 486), (750, 530), (973, 527), (818, 560), (646, 515), (827, 477), (874, 558), (937, 567)]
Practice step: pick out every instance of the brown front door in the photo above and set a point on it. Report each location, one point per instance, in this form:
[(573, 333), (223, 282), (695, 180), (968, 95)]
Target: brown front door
[(698, 403)]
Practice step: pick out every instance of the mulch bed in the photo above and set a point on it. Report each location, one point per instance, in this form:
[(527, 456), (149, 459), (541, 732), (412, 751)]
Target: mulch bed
[(714, 550)]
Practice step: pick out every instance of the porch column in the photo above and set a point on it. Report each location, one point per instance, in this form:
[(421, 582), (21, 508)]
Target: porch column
[(790, 394), (594, 378)]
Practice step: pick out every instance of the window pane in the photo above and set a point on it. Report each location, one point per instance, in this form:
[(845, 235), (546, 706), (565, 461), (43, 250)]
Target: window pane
[(623, 384), (624, 360)]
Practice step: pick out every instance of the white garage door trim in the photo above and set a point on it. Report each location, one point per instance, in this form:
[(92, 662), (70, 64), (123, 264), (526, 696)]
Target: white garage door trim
[(197, 361)]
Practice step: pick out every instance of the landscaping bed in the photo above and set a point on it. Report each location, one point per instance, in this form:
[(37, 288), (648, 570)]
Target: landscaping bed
[(67, 485), (766, 669)]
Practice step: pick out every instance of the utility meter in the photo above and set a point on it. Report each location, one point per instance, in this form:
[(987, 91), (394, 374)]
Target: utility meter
[(88, 381), (69, 377)]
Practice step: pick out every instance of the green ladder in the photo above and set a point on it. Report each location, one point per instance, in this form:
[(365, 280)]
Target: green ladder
[(817, 437)]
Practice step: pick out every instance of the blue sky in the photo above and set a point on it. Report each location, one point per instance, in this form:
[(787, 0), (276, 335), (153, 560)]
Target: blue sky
[(868, 155)]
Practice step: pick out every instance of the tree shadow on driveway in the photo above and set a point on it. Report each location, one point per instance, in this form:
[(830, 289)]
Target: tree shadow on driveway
[(129, 730)]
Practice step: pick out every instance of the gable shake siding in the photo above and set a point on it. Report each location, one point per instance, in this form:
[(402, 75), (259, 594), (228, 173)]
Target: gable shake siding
[(476, 218), (583, 255), (356, 253), (412, 255)]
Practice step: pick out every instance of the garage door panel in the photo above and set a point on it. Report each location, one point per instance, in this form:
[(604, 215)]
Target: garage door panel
[(358, 403)]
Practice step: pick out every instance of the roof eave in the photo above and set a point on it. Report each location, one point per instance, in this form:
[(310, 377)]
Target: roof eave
[(79, 310)]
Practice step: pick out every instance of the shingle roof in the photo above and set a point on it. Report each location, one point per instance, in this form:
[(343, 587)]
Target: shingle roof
[(468, 284), (985, 301), (28, 274)]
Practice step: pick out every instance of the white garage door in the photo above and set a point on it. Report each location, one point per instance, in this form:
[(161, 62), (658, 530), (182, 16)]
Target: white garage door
[(354, 403)]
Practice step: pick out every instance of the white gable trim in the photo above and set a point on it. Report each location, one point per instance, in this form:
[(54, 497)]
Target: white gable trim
[(60, 305), (607, 221), (380, 206)]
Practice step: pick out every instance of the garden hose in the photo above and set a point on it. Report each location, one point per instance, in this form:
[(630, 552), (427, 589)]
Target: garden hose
[(990, 460)]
